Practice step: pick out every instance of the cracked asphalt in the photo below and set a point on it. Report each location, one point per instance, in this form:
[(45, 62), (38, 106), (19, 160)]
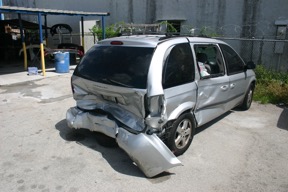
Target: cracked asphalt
[(239, 151)]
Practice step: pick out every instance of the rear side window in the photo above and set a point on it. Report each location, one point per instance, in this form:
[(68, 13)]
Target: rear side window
[(179, 66), (234, 63), (116, 65)]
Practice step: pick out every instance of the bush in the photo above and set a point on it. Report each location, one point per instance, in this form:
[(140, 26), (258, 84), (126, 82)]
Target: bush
[(110, 31), (271, 87)]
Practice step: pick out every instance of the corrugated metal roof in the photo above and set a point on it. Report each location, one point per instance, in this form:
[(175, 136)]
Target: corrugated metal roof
[(27, 10)]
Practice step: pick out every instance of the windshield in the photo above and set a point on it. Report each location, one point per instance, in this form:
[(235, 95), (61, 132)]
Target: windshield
[(116, 65)]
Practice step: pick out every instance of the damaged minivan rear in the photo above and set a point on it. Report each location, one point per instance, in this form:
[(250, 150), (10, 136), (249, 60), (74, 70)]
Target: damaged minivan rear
[(147, 93), (119, 94)]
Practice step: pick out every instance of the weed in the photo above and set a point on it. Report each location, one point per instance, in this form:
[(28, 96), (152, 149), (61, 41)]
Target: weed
[(272, 87)]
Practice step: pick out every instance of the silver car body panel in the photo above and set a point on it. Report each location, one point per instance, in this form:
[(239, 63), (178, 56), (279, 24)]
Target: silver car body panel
[(149, 153), (134, 41), (154, 84), (177, 99), (212, 98), (77, 119), (140, 147), (239, 84), (125, 104), (219, 95), (180, 99)]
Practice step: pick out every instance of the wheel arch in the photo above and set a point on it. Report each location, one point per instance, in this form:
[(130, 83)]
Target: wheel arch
[(181, 109), (253, 83)]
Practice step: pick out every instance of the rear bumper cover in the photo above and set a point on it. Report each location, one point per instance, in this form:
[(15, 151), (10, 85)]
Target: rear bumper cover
[(149, 153)]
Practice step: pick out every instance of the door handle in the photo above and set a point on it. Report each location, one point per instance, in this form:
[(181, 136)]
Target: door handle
[(232, 85), (224, 87)]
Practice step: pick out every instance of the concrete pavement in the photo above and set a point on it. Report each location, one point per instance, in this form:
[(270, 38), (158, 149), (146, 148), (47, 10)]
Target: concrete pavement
[(240, 151), (18, 75)]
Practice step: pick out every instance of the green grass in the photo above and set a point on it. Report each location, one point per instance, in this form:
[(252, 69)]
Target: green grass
[(271, 86)]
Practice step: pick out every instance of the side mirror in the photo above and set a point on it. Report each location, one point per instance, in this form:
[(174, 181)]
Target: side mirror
[(250, 65)]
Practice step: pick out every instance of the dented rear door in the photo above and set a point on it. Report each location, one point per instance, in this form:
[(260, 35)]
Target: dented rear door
[(213, 91)]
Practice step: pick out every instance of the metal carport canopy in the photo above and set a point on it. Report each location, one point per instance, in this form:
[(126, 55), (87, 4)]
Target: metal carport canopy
[(45, 12), (27, 10)]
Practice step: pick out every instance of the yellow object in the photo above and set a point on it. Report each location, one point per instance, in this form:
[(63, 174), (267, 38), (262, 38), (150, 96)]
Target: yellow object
[(25, 55), (42, 59)]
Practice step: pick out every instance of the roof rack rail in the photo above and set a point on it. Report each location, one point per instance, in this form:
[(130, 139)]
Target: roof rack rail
[(173, 35), (140, 33), (140, 29), (165, 35)]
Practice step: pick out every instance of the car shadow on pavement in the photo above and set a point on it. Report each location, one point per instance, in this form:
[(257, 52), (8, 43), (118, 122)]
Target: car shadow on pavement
[(108, 148), (283, 118), (209, 124)]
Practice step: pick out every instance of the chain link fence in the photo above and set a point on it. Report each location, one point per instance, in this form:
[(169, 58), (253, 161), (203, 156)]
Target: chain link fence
[(273, 54)]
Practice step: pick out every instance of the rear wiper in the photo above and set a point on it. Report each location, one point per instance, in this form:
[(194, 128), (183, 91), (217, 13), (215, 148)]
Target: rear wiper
[(115, 82)]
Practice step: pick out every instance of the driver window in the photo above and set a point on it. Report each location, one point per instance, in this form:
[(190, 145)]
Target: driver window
[(209, 60)]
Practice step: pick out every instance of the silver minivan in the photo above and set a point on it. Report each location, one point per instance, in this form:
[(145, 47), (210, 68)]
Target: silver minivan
[(150, 92)]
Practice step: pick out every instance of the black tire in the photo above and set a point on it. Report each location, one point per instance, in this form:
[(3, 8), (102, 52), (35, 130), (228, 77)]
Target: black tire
[(181, 134), (248, 98)]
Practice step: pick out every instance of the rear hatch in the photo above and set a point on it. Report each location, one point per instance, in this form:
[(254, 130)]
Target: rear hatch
[(113, 77)]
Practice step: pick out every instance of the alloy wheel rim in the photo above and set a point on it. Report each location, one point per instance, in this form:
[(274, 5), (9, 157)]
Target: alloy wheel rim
[(183, 133)]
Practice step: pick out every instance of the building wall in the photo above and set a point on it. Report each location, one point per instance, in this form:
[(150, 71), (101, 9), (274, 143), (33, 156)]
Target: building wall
[(227, 18), (237, 18)]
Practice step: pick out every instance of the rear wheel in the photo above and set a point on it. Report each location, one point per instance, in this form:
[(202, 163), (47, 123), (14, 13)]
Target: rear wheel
[(181, 134), (248, 98)]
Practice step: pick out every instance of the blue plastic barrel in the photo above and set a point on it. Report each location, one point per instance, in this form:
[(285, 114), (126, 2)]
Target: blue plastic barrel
[(62, 62)]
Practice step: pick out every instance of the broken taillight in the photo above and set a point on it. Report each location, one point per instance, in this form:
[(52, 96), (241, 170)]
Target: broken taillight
[(157, 112)]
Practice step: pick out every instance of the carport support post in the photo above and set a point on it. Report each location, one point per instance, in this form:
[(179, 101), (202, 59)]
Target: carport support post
[(23, 41), (46, 32), (82, 33), (103, 27), (1, 14), (41, 44)]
